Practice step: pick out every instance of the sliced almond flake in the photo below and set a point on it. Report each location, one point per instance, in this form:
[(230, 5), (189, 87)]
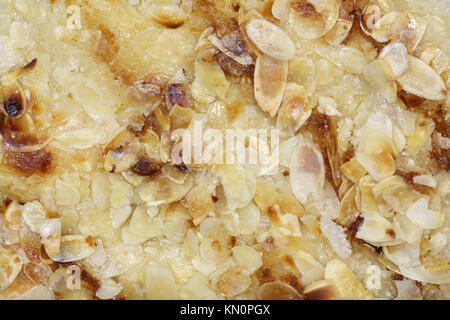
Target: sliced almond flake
[(277, 291), (353, 170), (423, 275), (375, 229), (239, 185), (395, 55), (162, 190), (39, 292), (403, 254), (280, 9), (74, 248), (419, 213), (348, 285), (348, 212), (347, 58), (379, 166), (109, 289), (314, 18), (81, 138), (379, 75), (233, 282), (210, 82), (407, 290), (310, 269), (247, 258), (341, 29), (409, 28), (270, 83), (321, 290), (420, 79), (307, 171), (328, 106), (160, 282), (412, 232), (66, 194), (270, 39)]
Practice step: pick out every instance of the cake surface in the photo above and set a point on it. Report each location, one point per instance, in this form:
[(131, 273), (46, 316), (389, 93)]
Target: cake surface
[(128, 129)]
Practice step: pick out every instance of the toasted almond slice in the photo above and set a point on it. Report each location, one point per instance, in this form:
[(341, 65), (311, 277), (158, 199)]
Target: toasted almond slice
[(419, 213), (420, 79), (270, 39), (270, 83), (310, 269), (341, 29), (210, 82), (233, 282), (379, 166), (347, 284), (293, 114), (321, 290), (281, 10), (303, 71), (160, 282), (367, 202), (161, 190), (407, 255), (277, 291), (13, 216), (74, 248), (379, 75), (314, 18), (168, 13), (409, 28), (375, 229), (346, 58), (424, 275), (353, 170), (395, 55), (396, 193), (247, 258), (307, 171), (348, 212)]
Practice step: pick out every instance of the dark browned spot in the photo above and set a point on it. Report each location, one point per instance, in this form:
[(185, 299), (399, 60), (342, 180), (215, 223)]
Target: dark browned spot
[(30, 66), (292, 280), (286, 173), (232, 242), (214, 199), (304, 8), (390, 233), (353, 228), (411, 100), (177, 93), (264, 275), (273, 213), (28, 163), (440, 156), (397, 276), (13, 105), (233, 68), (348, 155), (183, 168), (408, 177), (146, 167), (236, 7), (324, 134)]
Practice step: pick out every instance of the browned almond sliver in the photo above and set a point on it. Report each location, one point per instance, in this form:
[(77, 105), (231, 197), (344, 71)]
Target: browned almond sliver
[(270, 83)]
